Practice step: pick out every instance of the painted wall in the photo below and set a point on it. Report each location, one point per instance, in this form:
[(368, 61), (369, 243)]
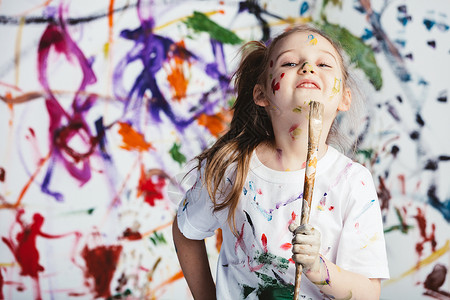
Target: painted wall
[(105, 102)]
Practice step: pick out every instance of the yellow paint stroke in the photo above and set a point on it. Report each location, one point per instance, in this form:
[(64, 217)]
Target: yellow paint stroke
[(132, 140), (312, 40), (17, 50), (296, 132), (371, 240), (298, 109), (424, 262), (336, 87), (313, 163)]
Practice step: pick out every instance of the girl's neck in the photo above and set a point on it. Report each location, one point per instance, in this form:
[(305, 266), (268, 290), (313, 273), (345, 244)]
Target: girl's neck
[(287, 156)]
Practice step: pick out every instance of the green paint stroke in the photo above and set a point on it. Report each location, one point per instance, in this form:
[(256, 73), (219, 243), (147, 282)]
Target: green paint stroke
[(158, 239), (268, 259), (176, 154), (360, 54), (271, 288), (200, 22)]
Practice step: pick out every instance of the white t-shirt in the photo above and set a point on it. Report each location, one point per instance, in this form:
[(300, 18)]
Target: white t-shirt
[(258, 262)]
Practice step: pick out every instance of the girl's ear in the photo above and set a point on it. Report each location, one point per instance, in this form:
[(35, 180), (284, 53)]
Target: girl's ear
[(346, 101), (259, 97)]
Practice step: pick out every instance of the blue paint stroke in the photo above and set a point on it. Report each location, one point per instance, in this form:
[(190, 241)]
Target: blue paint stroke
[(365, 208)]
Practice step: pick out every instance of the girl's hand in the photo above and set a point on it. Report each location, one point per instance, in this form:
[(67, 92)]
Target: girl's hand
[(305, 246)]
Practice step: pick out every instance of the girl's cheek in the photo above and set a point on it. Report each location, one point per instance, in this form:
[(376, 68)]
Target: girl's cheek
[(336, 87)]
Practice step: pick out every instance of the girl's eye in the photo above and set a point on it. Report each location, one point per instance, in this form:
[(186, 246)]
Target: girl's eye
[(289, 64), (323, 65)]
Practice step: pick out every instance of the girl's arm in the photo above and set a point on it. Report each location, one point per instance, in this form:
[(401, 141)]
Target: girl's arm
[(333, 281), (341, 284), (194, 263)]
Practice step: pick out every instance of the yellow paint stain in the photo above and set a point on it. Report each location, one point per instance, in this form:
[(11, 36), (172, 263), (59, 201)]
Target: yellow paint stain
[(336, 87), (132, 140), (371, 240), (320, 208), (313, 162), (312, 40), (424, 262), (296, 132), (298, 110)]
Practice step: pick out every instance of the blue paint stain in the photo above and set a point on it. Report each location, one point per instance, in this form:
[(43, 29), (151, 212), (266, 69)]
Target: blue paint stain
[(304, 8), (365, 208)]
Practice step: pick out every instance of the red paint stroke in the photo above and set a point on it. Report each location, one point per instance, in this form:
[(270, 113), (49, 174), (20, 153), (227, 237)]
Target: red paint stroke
[(401, 177), (151, 185), (101, 262), (264, 242), (293, 217), (384, 195), (291, 260), (286, 246), (240, 241), (131, 235), (331, 208), (282, 75), (216, 124), (24, 248), (2, 174), (422, 223), (1, 285), (275, 86)]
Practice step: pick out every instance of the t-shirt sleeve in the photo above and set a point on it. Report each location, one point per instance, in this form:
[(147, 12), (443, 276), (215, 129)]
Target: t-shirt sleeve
[(362, 246), (195, 216)]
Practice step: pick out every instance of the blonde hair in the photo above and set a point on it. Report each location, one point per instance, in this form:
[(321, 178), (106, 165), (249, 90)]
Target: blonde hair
[(251, 125)]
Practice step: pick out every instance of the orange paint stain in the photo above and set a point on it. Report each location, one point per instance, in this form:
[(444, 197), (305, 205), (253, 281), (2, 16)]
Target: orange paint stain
[(132, 140), (219, 239), (313, 162), (216, 124), (175, 73)]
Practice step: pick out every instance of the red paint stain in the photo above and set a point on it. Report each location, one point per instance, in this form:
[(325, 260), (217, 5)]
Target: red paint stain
[(275, 86), (151, 185), (131, 235), (2, 174), (331, 208), (101, 262), (401, 178), (286, 246), (264, 242), (25, 250), (259, 191), (1, 285), (426, 238), (132, 140), (282, 75), (291, 261)]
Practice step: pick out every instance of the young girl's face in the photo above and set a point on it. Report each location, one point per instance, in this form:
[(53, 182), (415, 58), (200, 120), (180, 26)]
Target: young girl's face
[(304, 67)]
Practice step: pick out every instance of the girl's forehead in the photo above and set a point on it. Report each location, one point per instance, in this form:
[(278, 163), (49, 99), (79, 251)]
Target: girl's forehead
[(303, 39)]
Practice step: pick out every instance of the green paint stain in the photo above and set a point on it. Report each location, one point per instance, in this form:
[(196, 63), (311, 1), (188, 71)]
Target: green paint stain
[(158, 239), (360, 54), (268, 259), (176, 154), (247, 290), (200, 22)]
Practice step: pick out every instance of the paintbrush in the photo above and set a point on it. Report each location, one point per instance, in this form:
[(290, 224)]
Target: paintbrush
[(314, 131)]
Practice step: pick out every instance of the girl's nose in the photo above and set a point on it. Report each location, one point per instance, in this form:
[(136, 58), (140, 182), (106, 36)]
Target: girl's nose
[(306, 67)]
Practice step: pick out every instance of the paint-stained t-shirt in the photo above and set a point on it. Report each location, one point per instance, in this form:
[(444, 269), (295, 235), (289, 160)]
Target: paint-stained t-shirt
[(257, 262)]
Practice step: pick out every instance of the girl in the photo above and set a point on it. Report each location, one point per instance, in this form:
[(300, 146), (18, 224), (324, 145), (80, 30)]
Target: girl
[(250, 183)]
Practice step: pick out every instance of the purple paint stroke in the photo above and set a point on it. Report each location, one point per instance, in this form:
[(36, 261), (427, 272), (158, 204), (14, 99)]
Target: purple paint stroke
[(152, 51), (64, 126)]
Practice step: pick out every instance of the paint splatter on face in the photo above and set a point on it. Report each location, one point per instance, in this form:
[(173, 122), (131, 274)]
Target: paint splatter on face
[(276, 85), (336, 87), (312, 40), (297, 109)]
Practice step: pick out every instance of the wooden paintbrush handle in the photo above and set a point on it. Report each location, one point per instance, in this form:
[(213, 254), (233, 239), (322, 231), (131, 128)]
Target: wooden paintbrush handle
[(314, 131)]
